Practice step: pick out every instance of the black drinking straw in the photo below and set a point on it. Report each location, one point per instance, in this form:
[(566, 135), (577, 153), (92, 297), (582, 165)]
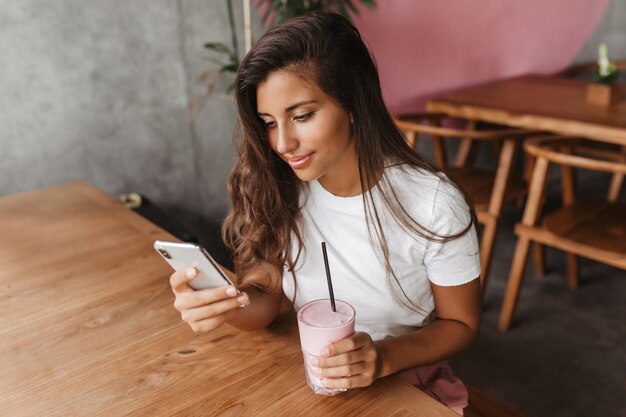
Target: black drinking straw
[(330, 282)]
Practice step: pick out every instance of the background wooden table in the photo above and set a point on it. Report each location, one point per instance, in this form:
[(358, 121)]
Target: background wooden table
[(552, 104), (87, 328), (556, 105)]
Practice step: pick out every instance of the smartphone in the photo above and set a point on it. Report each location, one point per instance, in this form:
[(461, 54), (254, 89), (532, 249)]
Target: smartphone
[(187, 255)]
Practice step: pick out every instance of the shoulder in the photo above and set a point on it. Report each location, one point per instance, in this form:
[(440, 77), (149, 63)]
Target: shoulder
[(429, 196), (413, 183)]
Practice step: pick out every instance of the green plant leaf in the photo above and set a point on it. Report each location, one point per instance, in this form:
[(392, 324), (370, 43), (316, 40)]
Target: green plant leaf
[(276, 12), (218, 47), (232, 67), (607, 79), (342, 11), (216, 61), (352, 7), (281, 15)]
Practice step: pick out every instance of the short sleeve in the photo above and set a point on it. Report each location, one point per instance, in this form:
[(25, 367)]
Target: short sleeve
[(456, 261)]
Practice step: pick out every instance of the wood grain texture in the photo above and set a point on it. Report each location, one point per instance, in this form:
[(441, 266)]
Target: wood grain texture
[(552, 104), (87, 328)]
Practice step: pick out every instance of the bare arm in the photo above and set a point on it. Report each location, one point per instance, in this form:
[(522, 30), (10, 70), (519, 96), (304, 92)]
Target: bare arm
[(456, 327)]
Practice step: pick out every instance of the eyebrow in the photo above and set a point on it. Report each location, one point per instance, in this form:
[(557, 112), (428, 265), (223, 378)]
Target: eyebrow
[(293, 106)]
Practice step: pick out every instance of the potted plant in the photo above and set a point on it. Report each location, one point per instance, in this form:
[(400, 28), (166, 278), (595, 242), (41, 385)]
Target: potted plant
[(604, 91), (227, 57)]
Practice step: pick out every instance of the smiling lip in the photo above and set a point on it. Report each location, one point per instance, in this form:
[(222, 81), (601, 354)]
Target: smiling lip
[(297, 162)]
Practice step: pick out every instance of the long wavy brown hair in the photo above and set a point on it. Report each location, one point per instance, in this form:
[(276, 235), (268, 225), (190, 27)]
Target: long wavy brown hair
[(326, 49)]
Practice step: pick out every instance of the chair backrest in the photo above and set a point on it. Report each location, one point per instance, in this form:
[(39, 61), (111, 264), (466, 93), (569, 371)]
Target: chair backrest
[(430, 124), (574, 152)]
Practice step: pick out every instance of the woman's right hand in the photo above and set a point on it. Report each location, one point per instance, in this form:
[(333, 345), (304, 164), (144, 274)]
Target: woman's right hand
[(204, 310)]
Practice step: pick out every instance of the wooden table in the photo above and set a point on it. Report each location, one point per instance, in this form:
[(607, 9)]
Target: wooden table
[(552, 104), (87, 328)]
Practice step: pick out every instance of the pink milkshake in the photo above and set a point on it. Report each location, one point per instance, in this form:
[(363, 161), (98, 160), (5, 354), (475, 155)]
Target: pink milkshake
[(319, 326)]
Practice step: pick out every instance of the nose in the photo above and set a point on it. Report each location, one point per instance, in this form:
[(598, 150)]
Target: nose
[(286, 140)]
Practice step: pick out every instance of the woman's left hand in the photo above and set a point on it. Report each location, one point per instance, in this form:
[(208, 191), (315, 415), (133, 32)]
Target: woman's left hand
[(349, 363)]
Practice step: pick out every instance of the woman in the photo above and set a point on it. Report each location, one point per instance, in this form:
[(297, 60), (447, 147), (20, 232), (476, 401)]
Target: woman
[(320, 159)]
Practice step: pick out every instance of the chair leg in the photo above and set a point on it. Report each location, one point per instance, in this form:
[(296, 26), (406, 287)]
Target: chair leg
[(539, 259), (515, 281), (528, 168), (616, 186), (439, 152), (531, 211), (501, 180), (568, 181), (529, 165), (539, 252), (617, 180), (466, 153), (488, 239), (572, 270)]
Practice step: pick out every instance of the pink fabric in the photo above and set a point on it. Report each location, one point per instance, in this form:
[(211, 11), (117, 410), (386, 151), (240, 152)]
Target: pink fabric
[(424, 48), (439, 382)]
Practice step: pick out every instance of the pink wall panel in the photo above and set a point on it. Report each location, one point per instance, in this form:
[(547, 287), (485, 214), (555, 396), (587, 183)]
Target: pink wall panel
[(424, 48)]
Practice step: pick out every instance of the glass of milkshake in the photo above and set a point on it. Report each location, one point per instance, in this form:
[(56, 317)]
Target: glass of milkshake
[(319, 326)]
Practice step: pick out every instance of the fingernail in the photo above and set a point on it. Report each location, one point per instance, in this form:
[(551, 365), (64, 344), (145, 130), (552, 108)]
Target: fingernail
[(231, 291), (324, 382), (318, 371), (324, 352), (315, 362), (243, 301), (191, 273)]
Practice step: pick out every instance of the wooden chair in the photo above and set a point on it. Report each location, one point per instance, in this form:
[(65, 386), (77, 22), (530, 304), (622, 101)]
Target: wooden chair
[(583, 71), (592, 229), (488, 190)]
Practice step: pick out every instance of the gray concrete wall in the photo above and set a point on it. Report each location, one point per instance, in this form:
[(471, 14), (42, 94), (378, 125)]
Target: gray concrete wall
[(611, 30), (99, 91)]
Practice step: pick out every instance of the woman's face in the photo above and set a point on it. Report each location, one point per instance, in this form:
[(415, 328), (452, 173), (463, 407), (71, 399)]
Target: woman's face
[(309, 132)]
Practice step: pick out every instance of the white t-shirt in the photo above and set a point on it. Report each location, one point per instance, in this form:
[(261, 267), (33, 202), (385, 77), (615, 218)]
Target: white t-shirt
[(357, 267)]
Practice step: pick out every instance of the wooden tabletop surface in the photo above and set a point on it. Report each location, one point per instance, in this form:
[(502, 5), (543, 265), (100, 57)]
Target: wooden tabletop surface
[(539, 103), (87, 328)]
